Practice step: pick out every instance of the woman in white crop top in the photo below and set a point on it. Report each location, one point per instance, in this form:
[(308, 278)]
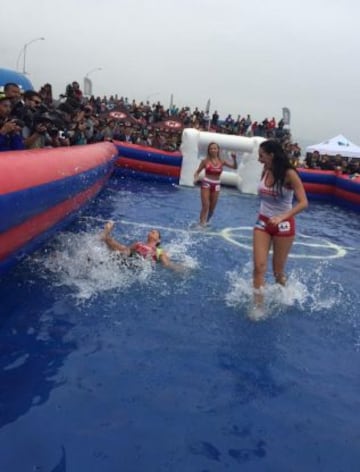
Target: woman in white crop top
[(275, 226)]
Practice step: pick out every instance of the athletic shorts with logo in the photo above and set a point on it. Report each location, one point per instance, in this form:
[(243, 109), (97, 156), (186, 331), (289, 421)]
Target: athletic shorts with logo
[(285, 228)]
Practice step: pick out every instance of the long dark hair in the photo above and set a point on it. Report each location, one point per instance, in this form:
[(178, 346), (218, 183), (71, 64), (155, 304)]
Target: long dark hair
[(280, 164)]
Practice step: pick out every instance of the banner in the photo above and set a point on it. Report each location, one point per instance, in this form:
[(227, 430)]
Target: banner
[(207, 109), (87, 87), (286, 116)]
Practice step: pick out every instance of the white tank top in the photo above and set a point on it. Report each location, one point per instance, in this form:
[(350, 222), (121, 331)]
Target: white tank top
[(271, 201)]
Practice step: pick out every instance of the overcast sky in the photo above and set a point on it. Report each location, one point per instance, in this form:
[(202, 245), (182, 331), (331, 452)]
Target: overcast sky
[(253, 56)]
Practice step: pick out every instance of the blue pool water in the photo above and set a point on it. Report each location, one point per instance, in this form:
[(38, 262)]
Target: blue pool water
[(105, 368)]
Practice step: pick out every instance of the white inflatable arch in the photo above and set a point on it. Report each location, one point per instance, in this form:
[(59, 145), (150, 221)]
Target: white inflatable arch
[(194, 146)]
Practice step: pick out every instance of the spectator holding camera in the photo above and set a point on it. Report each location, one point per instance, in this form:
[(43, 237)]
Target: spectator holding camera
[(37, 137), (28, 108), (13, 92), (27, 111), (36, 118), (10, 128)]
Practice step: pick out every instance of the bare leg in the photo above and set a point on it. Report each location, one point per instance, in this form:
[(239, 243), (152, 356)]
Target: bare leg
[(205, 205), (214, 196), (281, 247), (261, 248)]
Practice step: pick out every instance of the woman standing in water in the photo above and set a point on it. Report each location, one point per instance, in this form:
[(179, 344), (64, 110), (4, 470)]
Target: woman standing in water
[(275, 225), (210, 184)]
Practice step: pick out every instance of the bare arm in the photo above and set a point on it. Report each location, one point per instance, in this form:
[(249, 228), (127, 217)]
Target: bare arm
[(111, 242), (232, 164), (293, 179), (300, 195), (199, 169), (169, 264)]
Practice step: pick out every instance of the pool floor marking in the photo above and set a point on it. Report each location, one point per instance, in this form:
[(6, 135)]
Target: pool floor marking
[(226, 233), (339, 251)]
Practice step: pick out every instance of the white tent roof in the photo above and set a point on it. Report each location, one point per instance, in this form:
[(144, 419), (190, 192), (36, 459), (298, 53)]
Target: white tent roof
[(337, 145)]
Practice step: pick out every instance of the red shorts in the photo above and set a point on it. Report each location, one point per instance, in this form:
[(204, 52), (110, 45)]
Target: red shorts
[(212, 185), (285, 228)]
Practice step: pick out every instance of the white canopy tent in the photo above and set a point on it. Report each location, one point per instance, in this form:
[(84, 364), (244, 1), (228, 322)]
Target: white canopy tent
[(339, 145)]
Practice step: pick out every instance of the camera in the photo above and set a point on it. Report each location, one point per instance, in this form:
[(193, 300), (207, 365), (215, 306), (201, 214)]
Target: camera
[(53, 131), (41, 124), (63, 134), (18, 122)]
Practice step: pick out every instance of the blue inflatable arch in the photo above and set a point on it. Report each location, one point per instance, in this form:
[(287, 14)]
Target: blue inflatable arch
[(8, 75)]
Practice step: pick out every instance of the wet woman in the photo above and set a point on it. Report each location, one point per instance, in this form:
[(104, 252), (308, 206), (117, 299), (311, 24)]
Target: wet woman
[(275, 226), (210, 184), (149, 249)]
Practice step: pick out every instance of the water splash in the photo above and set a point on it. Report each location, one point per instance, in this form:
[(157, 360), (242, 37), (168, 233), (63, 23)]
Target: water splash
[(83, 263), (179, 250), (309, 292)]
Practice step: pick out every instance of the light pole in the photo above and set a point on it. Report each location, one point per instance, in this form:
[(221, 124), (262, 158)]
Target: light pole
[(23, 51), (92, 70)]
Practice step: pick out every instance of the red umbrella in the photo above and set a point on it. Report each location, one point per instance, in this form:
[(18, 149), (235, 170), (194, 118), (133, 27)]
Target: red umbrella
[(122, 115), (170, 124)]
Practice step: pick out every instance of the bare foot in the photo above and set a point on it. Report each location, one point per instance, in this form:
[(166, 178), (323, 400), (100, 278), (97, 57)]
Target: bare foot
[(256, 313)]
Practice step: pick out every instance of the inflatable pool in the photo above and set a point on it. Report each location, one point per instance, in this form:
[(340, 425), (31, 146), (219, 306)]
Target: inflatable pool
[(41, 191), (148, 163), (331, 186)]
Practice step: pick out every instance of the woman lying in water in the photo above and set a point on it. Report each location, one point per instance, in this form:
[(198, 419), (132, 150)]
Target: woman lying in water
[(149, 250)]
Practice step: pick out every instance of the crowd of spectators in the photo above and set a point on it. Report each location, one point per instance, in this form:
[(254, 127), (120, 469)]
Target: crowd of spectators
[(338, 163), (31, 119)]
